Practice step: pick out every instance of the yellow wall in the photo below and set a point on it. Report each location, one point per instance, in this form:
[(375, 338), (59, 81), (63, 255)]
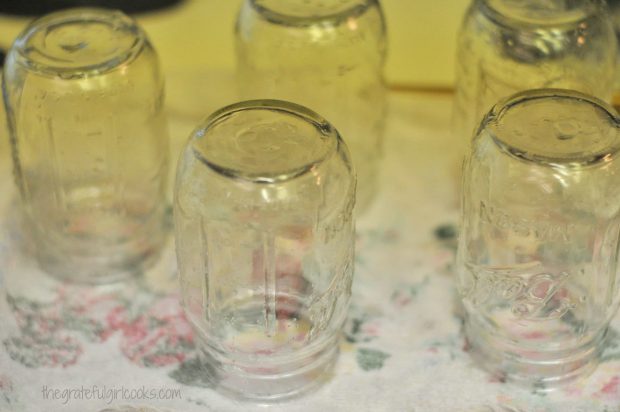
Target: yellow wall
[(423, 40), (199, 34)]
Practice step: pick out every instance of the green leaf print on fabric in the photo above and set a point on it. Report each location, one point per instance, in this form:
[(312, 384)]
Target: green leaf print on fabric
[(371, 359), (195, 372)]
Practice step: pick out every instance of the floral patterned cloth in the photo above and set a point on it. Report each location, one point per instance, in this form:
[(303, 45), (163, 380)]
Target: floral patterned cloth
[(402, 347)]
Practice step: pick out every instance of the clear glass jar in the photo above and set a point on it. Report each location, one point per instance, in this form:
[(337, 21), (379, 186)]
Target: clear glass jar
[(538, 252), (327, 56), (614, 8), (265, 235), (84, 98), (507, 46)]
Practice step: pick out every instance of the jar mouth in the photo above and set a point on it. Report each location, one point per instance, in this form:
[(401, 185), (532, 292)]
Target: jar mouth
[(555, 126), (264, 141), (75, 42), (537, 13), (308, 12)]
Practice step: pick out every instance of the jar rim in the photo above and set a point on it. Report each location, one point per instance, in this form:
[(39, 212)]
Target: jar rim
[(46, 46), (557, 152), (327, 144)]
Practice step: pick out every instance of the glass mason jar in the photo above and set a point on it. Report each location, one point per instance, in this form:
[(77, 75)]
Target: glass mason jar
[(84, 99), (614, 8), (538, 252), (328, 56), (507, 46), (265, 235)]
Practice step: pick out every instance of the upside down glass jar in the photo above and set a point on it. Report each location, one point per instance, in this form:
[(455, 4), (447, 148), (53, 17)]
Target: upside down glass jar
[(83, 93), (265, 234), (538, 255), (507, 46)]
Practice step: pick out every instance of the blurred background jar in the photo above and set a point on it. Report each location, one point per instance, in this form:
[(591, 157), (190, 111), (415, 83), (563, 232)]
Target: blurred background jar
[(328, 56), (84, 98), (614, 7), (506, 46)]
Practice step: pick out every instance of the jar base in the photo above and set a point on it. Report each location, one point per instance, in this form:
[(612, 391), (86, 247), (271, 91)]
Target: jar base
[(534, 369), (270, 382)]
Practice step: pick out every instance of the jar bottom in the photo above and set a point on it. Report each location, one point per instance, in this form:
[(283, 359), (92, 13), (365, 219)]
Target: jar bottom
[(539, 370), (269, 383)]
